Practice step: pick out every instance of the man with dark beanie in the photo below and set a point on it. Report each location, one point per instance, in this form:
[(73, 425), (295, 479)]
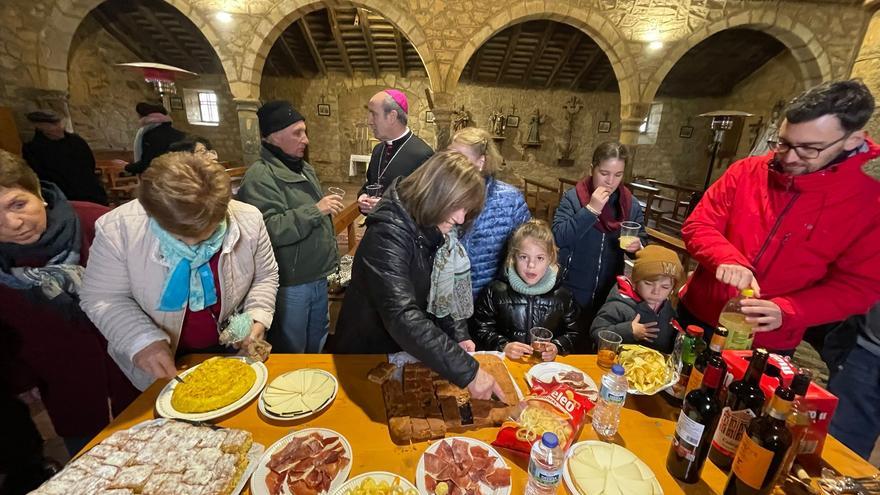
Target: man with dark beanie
[(297, 214), (153, 137)]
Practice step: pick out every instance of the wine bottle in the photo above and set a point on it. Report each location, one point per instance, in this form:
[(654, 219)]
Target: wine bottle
[(744, 402), (714, 349), (696, 422), (762, 450), (798, 421), (692, 345)]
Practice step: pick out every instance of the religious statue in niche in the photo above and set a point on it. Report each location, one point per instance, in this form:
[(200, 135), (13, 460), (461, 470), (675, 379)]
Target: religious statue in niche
[(498, 122), (534, 127), (572, 107), (461, 118)]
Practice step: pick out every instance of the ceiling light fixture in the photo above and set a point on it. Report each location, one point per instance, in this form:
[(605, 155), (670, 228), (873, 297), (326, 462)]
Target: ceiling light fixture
[(223, 16)]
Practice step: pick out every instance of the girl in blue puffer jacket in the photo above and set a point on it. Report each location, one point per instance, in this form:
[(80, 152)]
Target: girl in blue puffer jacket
[(504, 210)]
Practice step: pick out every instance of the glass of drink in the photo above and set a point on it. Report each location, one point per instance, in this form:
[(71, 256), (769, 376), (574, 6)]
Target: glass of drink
[(540, 337), (374, 190), (609, 343), (629, 233), (338, 191)]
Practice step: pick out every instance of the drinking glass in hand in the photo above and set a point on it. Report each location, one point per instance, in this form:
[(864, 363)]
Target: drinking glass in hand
[(609, 343), (539, 339), (374, 190), (629, 233), (338, 191)]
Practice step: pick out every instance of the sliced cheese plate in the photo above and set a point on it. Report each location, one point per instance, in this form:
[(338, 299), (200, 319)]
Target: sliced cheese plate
[(598, 468), (298, 394)]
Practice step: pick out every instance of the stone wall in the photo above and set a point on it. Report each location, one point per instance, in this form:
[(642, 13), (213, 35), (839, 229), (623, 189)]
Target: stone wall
[(867, 67), (103, 97), (670, 157), (334, 138)]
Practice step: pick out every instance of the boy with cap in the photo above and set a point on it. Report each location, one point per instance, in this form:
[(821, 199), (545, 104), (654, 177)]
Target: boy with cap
[(639, 310), (63, 158), (400, 151), (297, 214)]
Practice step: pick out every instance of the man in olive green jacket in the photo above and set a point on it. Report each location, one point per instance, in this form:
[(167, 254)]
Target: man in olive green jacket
[(286, 190)]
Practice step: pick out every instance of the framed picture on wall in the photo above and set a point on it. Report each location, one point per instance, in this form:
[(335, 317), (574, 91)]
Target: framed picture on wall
[(686, 132), (604, 126), (176, 102), (324, 109), (429, 117), (513, 121)]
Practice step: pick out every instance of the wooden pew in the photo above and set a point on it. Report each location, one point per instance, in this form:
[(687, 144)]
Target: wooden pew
[(670, 242), (541, 193), (681, 196)]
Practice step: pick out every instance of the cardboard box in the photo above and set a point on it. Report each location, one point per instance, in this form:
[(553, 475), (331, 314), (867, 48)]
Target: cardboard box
[(820, 403)]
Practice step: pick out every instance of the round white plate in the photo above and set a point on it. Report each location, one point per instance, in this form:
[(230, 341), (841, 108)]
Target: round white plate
[(545, 372), (378, 477), (484, 488), (258, 480), (261, 404), (166, 410), (647, 474)]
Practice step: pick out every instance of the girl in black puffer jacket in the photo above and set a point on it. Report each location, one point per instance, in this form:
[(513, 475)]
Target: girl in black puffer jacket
[(529, 294)]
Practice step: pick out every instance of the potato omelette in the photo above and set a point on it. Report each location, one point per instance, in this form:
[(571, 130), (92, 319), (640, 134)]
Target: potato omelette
[(215, 383)]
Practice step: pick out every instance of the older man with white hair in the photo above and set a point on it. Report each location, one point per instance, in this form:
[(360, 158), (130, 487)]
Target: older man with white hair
[(400, 151)]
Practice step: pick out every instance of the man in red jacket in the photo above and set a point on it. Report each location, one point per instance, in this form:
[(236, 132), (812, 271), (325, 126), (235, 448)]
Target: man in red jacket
[(800, 225)]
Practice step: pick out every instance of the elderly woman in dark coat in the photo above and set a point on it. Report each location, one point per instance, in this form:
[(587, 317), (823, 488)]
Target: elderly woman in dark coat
[(44, 245), (394, 276)]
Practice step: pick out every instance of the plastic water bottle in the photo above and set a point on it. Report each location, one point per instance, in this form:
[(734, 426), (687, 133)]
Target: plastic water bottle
[(545, 466), (612, 394)]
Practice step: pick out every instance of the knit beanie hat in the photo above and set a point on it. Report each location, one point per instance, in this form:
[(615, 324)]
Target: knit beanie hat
[(276, 115), (653, 260)]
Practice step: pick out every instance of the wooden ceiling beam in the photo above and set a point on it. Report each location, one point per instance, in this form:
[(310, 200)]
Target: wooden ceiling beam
[(606, 79), (511, 49), (288, 52), (340, 44), (539, 51), (151, 18), (368, 39), (475, 63), (310, 42), (401, 60), (563, 59), (139, 51), (585, 68)]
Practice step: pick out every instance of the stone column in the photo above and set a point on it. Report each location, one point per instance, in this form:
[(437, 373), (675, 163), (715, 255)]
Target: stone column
[(631, 117), (867, 64), (249, 129), (443, 119), (50, 99)]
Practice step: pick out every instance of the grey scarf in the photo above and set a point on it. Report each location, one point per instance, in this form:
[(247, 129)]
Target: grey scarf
[(451, 293)]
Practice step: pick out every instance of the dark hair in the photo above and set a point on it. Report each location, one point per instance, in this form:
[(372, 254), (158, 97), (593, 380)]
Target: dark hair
[(444, 183), (610, 149), (145, 108), (189, 144), (850, 101)]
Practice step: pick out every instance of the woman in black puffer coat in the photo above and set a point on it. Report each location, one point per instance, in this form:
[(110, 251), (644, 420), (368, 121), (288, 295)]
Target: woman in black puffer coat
[(529, 294), (385, 309)]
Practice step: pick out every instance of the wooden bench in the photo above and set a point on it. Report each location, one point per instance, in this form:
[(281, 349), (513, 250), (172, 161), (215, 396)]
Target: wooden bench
[(541, 198), (671, 242)]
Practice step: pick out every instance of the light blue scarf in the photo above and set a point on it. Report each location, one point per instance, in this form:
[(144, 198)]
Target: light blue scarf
[(190, 280), (543, 286)]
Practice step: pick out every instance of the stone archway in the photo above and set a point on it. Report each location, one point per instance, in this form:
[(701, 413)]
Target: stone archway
[(814, 63), (55, 40), (273, 23), (597, 27)]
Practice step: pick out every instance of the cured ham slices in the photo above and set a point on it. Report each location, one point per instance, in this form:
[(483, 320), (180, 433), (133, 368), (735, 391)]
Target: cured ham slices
[(459, 467), (307, 465)]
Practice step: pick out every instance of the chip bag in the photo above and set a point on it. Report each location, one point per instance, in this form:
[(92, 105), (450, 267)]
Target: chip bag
[(551, 407)]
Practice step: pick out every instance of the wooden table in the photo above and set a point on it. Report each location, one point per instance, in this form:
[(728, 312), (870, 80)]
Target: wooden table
[(357, 413)]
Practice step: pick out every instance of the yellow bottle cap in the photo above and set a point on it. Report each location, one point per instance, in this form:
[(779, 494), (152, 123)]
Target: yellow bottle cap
[(748, 292)]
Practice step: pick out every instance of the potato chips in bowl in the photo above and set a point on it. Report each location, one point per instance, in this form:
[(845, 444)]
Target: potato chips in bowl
[(648, 371)]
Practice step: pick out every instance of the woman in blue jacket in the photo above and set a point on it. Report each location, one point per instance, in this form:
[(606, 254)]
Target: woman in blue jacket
[(505, 208), (587, 229)]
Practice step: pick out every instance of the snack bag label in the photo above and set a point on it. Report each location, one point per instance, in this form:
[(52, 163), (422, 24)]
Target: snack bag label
[(554, 408)]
